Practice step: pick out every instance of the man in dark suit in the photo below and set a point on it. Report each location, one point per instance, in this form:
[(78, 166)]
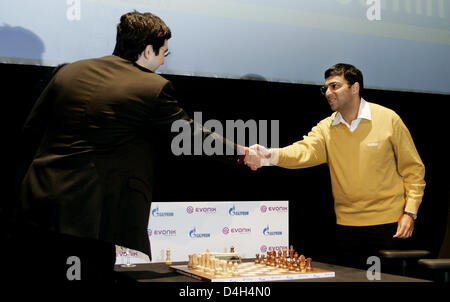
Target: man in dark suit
[(98, 123)]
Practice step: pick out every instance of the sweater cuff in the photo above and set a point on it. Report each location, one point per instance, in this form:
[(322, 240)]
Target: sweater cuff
[(275, 156)]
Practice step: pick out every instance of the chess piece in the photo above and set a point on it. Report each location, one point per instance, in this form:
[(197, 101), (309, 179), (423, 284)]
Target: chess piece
[(308, 264), (291, 252), (277, 263), (211, 265), (284, 253), (191, 261), (168, 260), (302, 264), (202, 260), (297, 265), (257, 259), (273, 262), (236, 269), (218, 268), (229, 270), (195, 261), (232, 249), (271, 259), (291, 265), (224, 267)]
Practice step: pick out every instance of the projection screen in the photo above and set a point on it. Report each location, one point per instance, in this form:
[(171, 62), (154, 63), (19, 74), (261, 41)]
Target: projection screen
[(398, 44)]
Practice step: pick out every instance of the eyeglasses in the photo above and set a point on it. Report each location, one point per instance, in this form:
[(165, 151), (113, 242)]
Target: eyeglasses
[(166, 53), (333, 86)]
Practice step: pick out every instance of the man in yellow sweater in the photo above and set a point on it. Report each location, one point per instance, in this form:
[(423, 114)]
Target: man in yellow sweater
[(377, 175)]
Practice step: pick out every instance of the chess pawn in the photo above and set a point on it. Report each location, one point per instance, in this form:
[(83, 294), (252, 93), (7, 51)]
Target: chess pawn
[(297, 265), (229, 268), (273, 262), (196, 261), (294, 263), (235, 269), (291, 265), (191, 261), (224, 267), (168, 260), (211, 265), (202, 262), (257, 259), (308, 264), (217, 268), (302, 264)]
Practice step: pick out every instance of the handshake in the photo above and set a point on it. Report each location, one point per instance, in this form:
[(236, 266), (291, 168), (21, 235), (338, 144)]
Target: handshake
[(257, 156)]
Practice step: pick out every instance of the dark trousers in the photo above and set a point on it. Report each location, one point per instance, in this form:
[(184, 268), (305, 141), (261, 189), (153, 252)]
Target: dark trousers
[(355, 244)]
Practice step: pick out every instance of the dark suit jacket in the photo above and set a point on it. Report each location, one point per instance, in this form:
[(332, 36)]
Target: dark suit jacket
[(92, 173)]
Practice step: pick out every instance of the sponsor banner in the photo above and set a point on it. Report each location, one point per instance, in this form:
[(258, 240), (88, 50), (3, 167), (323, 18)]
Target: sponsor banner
[(192, 227)]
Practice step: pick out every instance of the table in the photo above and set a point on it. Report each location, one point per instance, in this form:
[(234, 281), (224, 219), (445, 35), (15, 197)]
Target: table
[(160, 272), (157, 279)]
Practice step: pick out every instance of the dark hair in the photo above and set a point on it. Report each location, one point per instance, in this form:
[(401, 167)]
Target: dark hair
[(137, 30), (351, 74)]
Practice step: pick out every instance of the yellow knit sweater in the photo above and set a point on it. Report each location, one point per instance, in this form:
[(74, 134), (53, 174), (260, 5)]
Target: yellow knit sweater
[(376, 172)]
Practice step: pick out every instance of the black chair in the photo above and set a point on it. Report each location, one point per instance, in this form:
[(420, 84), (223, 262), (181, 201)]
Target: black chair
[(404, 256), (437, 266)]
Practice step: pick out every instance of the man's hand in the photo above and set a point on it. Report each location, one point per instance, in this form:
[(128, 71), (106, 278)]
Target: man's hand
[(405, 227), (257, 157)]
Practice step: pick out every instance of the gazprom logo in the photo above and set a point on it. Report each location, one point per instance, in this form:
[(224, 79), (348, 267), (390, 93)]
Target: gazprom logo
[(232, 211), (268, 232), (157, 213), (193, 234)]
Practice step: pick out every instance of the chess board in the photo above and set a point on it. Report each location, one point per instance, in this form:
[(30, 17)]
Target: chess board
[(250, 272)]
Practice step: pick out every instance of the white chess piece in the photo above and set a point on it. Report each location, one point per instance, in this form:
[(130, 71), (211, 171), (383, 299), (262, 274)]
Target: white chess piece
[(168, 260)]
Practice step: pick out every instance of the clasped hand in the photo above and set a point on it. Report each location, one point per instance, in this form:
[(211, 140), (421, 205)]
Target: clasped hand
[(257, 156)]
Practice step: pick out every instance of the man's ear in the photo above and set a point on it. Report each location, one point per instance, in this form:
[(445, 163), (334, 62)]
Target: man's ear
[(148, 52), (355, 88)]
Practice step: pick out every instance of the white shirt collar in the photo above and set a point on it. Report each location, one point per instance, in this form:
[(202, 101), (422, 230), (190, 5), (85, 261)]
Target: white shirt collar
[(363, 113)]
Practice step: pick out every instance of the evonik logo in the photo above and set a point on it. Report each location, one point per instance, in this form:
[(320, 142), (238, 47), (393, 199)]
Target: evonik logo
[(278, 209), (204, 210), (162, 232), (236, 230)]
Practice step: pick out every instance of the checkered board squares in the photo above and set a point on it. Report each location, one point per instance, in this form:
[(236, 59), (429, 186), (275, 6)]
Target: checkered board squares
[(250, 272)]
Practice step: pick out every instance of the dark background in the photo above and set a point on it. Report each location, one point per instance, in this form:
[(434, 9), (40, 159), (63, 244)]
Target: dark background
[(298, 108)]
